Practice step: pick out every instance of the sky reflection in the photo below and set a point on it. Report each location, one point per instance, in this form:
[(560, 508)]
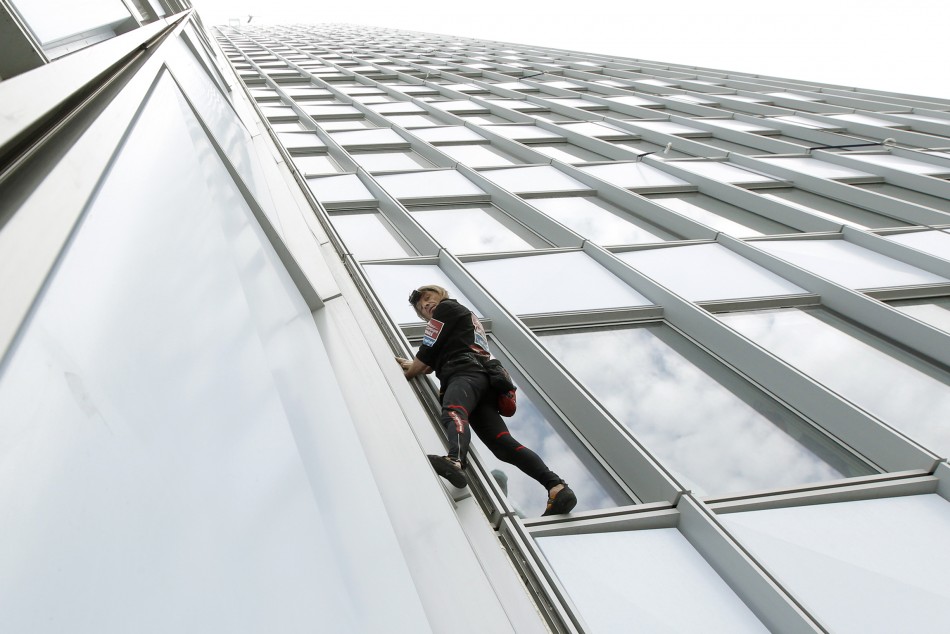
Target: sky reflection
[(469, 230), (889, 383), (535, 432), (716, 435)]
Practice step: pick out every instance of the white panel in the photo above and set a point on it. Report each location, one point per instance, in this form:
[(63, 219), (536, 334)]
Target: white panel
[(645, 581), (631, 100), (569, 153), (934, 311), (805, 121), (705, 272), (815, 167), (378, 136), (904, 164), (848, 264), (724, 172), (533, 179), (219, 116), (792, 95), (554, 282), (370, 237), (163, 425), (344, 188), (634, 175), (936, 243), (524, 132), (864, 119), (474, 229), (449, 134), (742, 126), (393, 161), (669, 127), (874, 566), (599, 221), (596, 130), (479, 155), (430, 184), (51, 20)]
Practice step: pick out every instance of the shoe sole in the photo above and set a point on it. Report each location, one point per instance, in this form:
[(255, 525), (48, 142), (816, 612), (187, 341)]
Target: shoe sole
[(563, 503), (447, 471)]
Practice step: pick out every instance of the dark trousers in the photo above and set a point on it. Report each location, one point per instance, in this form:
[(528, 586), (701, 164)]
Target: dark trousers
[(469, 403)]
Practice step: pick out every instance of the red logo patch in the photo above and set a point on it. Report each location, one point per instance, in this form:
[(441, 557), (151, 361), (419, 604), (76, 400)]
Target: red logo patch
[(431, 335)]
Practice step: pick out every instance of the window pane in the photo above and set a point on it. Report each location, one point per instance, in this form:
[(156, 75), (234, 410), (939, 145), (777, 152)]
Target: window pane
[(823, 169), (364, 138), (848, 264), (480, 155), (725, 172), (339, 189), (482, 229), (410, 121), (721, 216), (432, 184), (538, 428), (865, 566), (641, 147), (524, 284), (316, 164), (903, 164), (645, 578), (936, 243), (524, 133), (336, 111), (569, 153), (598, 130), (833, 210), (393, 283), (909, 195), (370, 236), (390, 161), (599, 221), (449, 134), (898, 388), (521, 180), (707, 272), (671, 127), (348, 124), (399, 107), (631, 100), (301, 141), (151, 412), (51, 21), (715, 431), (636, 176), (935, 312)]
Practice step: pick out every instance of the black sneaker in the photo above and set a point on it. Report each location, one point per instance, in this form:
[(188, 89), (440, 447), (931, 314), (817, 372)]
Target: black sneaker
[(561, 503), (450, 469)]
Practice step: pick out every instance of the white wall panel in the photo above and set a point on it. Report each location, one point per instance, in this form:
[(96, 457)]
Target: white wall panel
[(171, 426)]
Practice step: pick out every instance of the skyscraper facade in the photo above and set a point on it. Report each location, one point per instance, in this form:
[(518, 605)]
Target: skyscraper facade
[(725, 300)]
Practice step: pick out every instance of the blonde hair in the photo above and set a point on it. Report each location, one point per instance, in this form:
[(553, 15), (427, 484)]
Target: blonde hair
[(438, 290)]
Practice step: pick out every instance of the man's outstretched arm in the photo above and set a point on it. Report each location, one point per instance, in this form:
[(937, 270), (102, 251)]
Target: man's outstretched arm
[(413, 368)]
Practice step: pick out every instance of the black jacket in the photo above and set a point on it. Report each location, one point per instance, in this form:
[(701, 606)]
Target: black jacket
[(453, 337)]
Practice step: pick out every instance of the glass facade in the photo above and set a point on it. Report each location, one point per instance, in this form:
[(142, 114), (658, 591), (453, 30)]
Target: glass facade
[(198, 395)]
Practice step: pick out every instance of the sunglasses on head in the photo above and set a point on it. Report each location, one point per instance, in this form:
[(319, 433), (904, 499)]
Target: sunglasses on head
[(415, 297)]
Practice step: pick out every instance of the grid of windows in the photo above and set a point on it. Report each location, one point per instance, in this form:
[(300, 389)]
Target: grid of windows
[(724, 298)]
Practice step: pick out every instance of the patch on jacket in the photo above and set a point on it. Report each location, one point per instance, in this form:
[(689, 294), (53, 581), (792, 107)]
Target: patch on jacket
[(431, 335)]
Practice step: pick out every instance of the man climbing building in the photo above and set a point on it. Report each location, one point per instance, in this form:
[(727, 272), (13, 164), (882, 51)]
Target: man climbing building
[(455, 346)]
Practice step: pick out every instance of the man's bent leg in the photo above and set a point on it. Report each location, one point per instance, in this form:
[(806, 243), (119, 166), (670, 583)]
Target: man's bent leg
[(459, 399)]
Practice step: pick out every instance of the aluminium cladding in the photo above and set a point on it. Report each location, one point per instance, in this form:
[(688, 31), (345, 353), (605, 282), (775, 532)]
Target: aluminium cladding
[(726, 299)]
